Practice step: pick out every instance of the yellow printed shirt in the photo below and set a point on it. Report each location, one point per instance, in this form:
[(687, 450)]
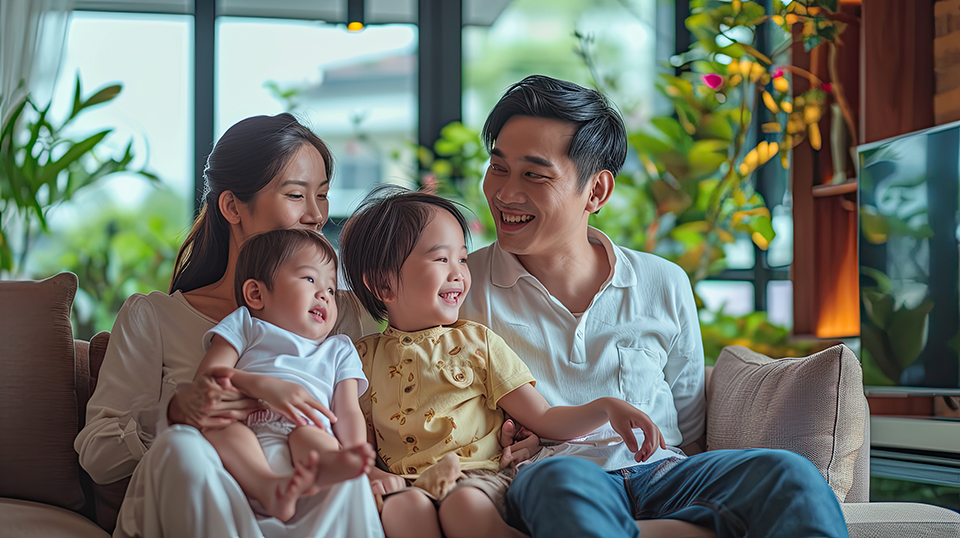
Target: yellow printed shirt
[(436, 391)]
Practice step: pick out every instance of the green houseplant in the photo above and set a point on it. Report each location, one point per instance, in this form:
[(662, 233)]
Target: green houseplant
[(41, 166)]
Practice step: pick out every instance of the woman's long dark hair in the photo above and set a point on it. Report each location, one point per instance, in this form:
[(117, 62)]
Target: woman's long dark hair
[(245, 159)]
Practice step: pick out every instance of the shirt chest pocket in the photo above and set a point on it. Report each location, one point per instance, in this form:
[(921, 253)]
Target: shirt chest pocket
[(641, 370)]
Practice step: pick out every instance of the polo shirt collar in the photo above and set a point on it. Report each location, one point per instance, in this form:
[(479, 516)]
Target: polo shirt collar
[(506, 269)]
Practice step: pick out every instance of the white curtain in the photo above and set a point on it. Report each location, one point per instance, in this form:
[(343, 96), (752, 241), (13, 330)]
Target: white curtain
[(32, 37)]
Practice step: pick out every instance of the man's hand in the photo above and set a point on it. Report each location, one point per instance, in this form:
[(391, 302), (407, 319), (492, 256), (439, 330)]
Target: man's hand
[(518, 444)]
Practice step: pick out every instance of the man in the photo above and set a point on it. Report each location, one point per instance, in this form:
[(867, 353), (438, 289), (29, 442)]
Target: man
[(592, 319)]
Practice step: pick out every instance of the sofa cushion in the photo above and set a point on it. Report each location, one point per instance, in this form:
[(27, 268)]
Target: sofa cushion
[(28, 519), (813, 406), (38, 399)]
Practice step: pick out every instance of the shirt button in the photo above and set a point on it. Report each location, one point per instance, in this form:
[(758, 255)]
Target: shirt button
[(411, 470), (411, 440), (408, 410), (408, 389), (459, 376), (407, 340)]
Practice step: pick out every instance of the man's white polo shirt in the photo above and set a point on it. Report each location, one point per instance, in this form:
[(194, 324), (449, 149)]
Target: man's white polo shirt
[(639, 339)]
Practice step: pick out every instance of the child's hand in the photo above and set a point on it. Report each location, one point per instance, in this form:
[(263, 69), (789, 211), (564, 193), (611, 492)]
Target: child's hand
[(292, 401), (624, 418)]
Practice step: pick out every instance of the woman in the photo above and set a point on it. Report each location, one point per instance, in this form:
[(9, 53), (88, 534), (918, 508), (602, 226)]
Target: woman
[(265, 173)]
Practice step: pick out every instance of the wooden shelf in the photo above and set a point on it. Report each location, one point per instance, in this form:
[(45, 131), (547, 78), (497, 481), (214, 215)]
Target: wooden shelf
[(820, 191)]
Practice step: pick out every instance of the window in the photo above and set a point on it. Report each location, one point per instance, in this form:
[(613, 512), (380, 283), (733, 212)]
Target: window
[(357, 91)]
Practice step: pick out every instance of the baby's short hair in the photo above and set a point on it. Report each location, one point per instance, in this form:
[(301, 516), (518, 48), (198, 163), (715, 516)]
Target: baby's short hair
[(262, 255), (379, 237)]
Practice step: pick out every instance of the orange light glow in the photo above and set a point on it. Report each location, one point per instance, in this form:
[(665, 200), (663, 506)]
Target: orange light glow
[(839, 302), (355, 26)]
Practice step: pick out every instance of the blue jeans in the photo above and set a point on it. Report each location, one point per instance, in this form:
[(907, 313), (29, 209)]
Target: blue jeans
[(754, 493)]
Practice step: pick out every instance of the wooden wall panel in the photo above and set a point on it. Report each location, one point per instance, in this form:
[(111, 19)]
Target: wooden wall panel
[(896, 91)]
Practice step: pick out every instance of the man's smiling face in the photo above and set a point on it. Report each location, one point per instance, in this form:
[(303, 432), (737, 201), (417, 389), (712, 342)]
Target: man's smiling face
[(531, 186)]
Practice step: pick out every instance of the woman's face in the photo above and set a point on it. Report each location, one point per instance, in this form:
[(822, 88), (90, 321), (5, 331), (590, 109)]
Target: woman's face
[(295, 198)]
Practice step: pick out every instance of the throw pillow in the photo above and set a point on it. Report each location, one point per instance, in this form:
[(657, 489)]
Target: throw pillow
[(813, 406), (38, 400)]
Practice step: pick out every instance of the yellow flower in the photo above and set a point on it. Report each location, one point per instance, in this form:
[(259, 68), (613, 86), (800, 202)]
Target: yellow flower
[(791, 18), (813, 10), (786, 107), (781, 85), (746, 67), (778, 20), (811, 114), (785, 160), (735, 79), (771, 127), (814, 136), (756, 71), (771, 104), (733, 67)]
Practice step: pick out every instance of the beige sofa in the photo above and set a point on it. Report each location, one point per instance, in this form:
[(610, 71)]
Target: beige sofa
[(814, 406)]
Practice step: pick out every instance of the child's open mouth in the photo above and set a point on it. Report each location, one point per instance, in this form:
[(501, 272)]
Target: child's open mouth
[(451, 297), (319, 314)]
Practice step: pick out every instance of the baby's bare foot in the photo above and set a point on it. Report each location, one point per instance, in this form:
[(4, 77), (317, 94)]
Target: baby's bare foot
[(283, 504), (340, 465)]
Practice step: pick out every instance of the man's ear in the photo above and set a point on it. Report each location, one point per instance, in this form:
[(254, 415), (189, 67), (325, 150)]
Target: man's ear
[(228, 207), (253, 293), (601, 188), (387, 296)]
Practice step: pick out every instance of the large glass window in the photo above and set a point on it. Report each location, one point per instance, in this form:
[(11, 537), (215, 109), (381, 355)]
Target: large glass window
[(357, 91), (623, 39)]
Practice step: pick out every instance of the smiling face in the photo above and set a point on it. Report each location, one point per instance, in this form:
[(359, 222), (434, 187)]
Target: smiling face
[(531, 187), (295, 198), (434, 279), (302, 300)]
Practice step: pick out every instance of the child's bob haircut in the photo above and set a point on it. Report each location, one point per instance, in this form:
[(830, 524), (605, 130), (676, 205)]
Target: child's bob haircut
[(262, 255), (379, 237)]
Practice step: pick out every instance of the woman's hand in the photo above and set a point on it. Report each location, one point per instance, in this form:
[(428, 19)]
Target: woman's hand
[(624, 418), (210, 401)]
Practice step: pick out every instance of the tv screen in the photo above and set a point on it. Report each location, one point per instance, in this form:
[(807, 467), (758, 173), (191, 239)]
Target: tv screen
[(909, 199)]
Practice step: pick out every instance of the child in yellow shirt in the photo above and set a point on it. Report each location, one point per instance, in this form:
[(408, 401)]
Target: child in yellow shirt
[(440, 385)]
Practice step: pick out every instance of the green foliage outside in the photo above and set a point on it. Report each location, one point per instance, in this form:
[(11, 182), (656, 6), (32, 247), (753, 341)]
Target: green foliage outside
[(116, 252)]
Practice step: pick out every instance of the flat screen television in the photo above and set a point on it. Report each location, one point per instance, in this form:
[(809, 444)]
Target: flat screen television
[(909, 248)]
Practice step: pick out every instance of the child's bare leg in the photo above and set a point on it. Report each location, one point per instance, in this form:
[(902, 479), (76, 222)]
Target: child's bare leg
[(243, 458), (410, 514), (468, 512), (672, 528), (333, 464)]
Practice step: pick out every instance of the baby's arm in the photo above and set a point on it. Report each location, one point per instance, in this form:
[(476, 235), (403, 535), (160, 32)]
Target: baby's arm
[(289, 399), (529, 408), (351, 428)]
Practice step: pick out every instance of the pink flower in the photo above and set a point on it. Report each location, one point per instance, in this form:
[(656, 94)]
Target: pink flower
[(712, 80), (827, 87), (778, 72)]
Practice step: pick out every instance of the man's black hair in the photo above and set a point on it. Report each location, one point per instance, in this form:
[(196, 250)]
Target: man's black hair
[(600, 142)]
